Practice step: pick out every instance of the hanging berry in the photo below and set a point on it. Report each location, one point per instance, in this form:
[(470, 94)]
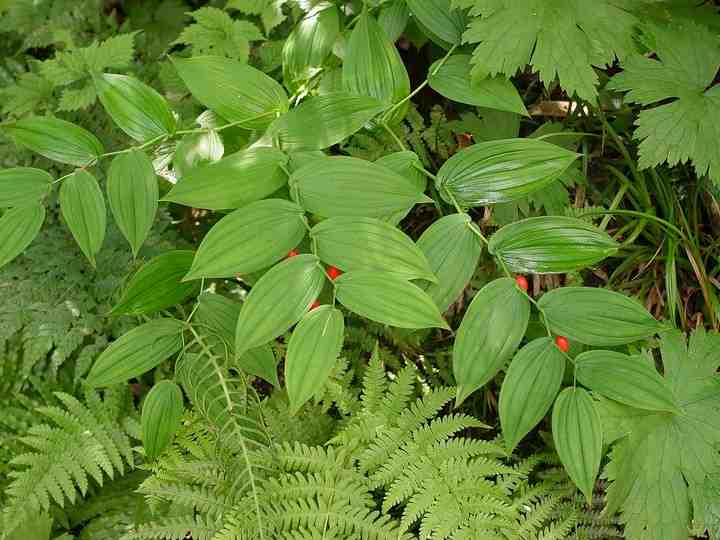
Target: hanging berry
[(292, 253), (333, 272), (562, 343), (522, 283), (314, 305)]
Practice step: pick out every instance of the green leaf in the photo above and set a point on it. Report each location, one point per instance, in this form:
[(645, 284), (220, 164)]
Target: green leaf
[(490, 332), (372, 67), (312, 352), (339, 114), (453, 251), (157, 285), (551, 245), (260, 362), (631, 380), (249, 239), (278, 300), (406, 164), (388, 299), (440, 18), (136, 352), (597, 317), (310, 43), (453, 80), (232, 182), (235, 91), (162, 414), (501, 171), (529, 389), (23, 186), (358, 243), (132, 192), (18, 228), (577, 434), (393, 18), (136, 108), (347, 186), (57, 140), (83, 208)]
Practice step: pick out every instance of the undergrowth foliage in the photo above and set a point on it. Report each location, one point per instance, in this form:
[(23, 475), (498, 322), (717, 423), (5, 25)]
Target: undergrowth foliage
[(358, 180)]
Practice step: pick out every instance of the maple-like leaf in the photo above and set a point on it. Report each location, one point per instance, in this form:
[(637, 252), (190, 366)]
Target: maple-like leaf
[(558, 38), (216, 33), (688, 127), (269, 11), (661, 462)]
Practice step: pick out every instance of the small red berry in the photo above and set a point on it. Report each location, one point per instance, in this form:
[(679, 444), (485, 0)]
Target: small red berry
[(522, 283), (562, 343), (314, 305), (333, 272), (292, 253)]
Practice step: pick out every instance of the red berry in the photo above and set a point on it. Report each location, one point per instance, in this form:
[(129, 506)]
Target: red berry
[(333, 272), (292, 253), (562, 343), (314, 305), (522, 283)]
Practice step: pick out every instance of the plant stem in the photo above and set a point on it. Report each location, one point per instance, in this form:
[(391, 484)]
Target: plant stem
[(394, 136)]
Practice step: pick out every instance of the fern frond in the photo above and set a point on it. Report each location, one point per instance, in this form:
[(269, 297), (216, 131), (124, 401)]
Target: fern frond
[(176, 528)]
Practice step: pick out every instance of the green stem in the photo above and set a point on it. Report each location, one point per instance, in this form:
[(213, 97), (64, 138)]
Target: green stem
[(394, 136), (613, 206), (643, 215)]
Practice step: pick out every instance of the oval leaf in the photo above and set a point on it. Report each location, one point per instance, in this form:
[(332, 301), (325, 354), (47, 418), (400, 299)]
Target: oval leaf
[(453, 251), (597, 317), (358, 243), (336, 115), (388, 299), (260, 362), (490, 332), (406, 164), (452, 79), (136, 352), (347, 186), (23, 186), (57, 140), (278, 300), (577, 434), (237, 92), (18, 228), (83, 207), (157, 285), (249, 239), (232, 182), (312, 352), (628, 379), (393, 18), (440, 19), (501, 171), (529, 389), (551, 245), (372, 67), (162, 413), (136, 108), (132, 192)]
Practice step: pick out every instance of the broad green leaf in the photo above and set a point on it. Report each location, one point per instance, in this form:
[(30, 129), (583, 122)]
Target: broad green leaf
[(388, 299), (360, 243), (501, 171), (57, 140), (406, 164), (440, 19), (577, 434), (347, 186), (310, 43), (452, 79), (23, 186), (322, 121), (490, 332), (195, 150), (232, 182), (278, 300), (260, 362), (312, 352), (597, 317), (162, 413), (393, 18), (136, 108), (631, 380), (132, 192), (136, 352), (83, 208), (237, 92), (18, 228), (372, 67), (453, 251), (551, 245), (158, 285), (529, 389), (249, 239)]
